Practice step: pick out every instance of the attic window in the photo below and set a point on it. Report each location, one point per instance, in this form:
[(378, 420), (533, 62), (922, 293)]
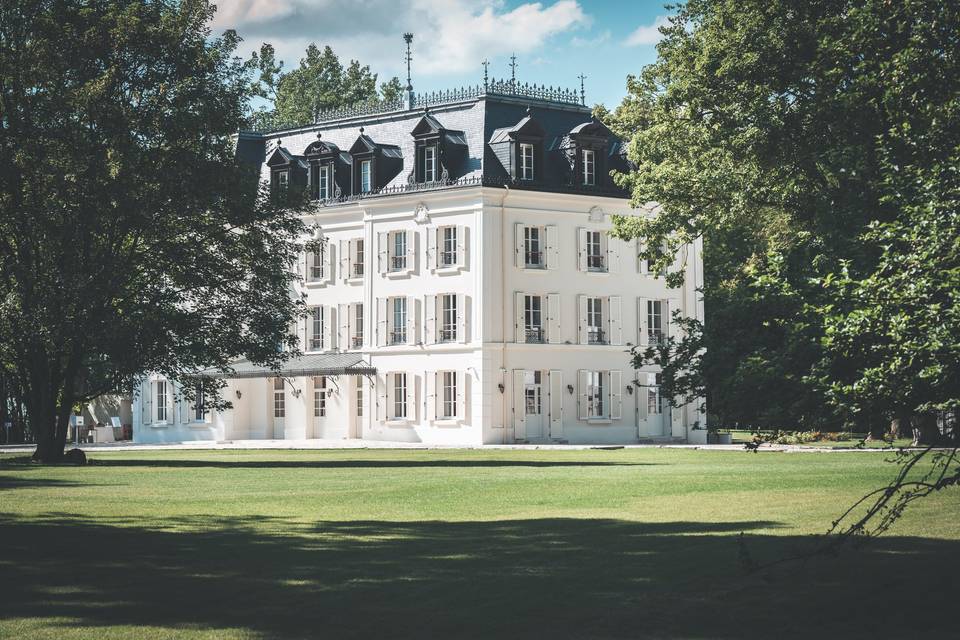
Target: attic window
[(589, 167), (365, 176), (323, 182), (430, 163), (283, 179), (526, 161)]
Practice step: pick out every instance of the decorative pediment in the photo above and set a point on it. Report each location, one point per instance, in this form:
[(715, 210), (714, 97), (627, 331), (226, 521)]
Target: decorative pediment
[(279, 157), (321, 148), (427, 126), (528, 127), (592, 129), (363, 144)]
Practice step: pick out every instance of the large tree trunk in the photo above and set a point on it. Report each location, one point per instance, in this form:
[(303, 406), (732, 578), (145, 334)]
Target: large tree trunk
[(900, 426), (925, 431)]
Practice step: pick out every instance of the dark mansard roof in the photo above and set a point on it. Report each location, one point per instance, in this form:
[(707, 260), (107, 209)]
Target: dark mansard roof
[(477, 137)]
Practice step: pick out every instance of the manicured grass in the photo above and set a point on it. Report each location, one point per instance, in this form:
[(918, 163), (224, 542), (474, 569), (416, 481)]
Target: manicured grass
[(742, 437), (451, 544)]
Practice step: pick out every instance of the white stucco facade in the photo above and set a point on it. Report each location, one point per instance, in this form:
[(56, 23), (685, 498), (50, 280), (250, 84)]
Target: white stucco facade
[(469, 371)]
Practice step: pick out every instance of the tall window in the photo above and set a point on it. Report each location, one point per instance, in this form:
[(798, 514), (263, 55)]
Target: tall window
[(448, 246), (319, 396), (398, 259), (589, 167), (399, 333), (654, 400), (655, 333), (526, 161), (365, 168), (317, 259), (323, 182), (283, 180), (595, 333), (533, 393), (358, 258), (533, 318), (199, 405), (163, 401), (279, 408), (316, 328), (448, 317), (399, 395), (594, 249), (429, 164), (358, 326), (359, 400), (595, 393), (448, 394), (533, 247)]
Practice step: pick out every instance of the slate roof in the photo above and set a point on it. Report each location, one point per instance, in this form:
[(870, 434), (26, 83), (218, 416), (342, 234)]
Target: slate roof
[(310, 364)]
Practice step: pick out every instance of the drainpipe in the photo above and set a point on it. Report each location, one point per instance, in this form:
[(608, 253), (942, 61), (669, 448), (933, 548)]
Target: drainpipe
[(504, 305)]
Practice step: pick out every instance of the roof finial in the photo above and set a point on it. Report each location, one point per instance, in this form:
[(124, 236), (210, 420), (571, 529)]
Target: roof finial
[(583, 95), (361, 130), (319, 135), (513, 70), (408, 38), (485, 63)]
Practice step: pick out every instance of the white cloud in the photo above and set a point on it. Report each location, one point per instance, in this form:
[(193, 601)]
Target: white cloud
[(647, 33), (599, 39), (450, 36)]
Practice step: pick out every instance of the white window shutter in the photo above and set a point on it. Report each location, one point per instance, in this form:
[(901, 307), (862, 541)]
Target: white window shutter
[(665, 321), (583, 401), (519, 404), (616, 395), (381, 322), (329, 327), (553, 247), (429, 319), (413, 320), (303, 265), (643, 337), (583, 336), (383, 383), (554, 335), (462, 394), (430, 397), (383, 252), (412, 251), (613, 254), (556, 404), (582, 249), (343, 326), (327, 262), (641, 393), (615, 320), (676, 421), (518, 246), (462, 246), (641, 262), (391, 396), (146, 395), (519, 332), (431, 248), (344, 259), (461, 318), (412, 382), (183, 415)]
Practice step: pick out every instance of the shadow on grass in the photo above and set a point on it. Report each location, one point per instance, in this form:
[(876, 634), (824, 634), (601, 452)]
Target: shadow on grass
[(558, 578), (381, 463)]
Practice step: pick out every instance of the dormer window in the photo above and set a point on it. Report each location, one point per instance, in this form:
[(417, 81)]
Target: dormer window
[(283, 180), (324, 192), (589, 167), (430, 163), (365, 176), (526, 161)]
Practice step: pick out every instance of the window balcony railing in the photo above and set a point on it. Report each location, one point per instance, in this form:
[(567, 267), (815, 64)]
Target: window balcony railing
[(357, 341), (358, 270), (448, 334), (534, 335), (398, 336), (448, 258), (656, 337), (596, 336), (534, 258), (316, 344), (595, 263), (316, 273), (398, 263)]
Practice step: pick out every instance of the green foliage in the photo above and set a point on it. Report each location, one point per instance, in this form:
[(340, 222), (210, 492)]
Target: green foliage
[(814, 149), (131, 239)]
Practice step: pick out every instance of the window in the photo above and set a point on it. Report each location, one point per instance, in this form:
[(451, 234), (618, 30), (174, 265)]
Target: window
[(595, 334), (316, 264), (398, 334), (283, 180), (199, 405), (448, 317), (163, 401), (594, 251), (359, 399), (398, 251), (319, 396), (448, 394), (533, 318), (533, 393), (358, 258), (399, 395), (448, 246), (279, 408), (526, 161), (595, 394), (655, 332), (365, 182), (589, 167), (323, 183), (429, 163), (654, 400), (533, 247), (315, 331), (358, 325)]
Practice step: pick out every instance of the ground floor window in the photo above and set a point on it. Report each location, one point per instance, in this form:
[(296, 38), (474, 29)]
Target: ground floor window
[(399, 395), (654, 399), (595, 392), (359, 400), (279, 406), (199, 405), (320, 397), (162, 400), (448, 394)]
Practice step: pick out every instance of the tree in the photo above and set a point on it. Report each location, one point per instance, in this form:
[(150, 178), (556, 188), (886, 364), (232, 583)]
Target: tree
[(793, 137), (131, 239), (392, 90)]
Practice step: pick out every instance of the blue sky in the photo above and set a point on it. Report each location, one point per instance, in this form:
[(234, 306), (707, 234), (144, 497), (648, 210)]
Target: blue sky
[(554, 40)]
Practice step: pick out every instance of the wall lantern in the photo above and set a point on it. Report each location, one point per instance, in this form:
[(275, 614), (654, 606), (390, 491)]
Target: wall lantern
[(630, 389), (570, 389), (239, 395), (501, 387)]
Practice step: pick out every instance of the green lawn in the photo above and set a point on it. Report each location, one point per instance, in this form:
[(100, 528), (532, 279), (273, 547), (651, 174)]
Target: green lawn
[(453, 544)]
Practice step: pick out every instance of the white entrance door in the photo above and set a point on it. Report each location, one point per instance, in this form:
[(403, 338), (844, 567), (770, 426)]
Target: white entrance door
[(533, 405)]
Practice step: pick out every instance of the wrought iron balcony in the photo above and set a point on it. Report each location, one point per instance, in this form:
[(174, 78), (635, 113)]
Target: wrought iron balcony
[(316, 344), (534, 258), (448, 258), (534, 335), (655, 337), (398, 336), (398, 263), (316, 273), (358, 269), (448, 334), (595, 263), (357, 341), (596, 336)]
